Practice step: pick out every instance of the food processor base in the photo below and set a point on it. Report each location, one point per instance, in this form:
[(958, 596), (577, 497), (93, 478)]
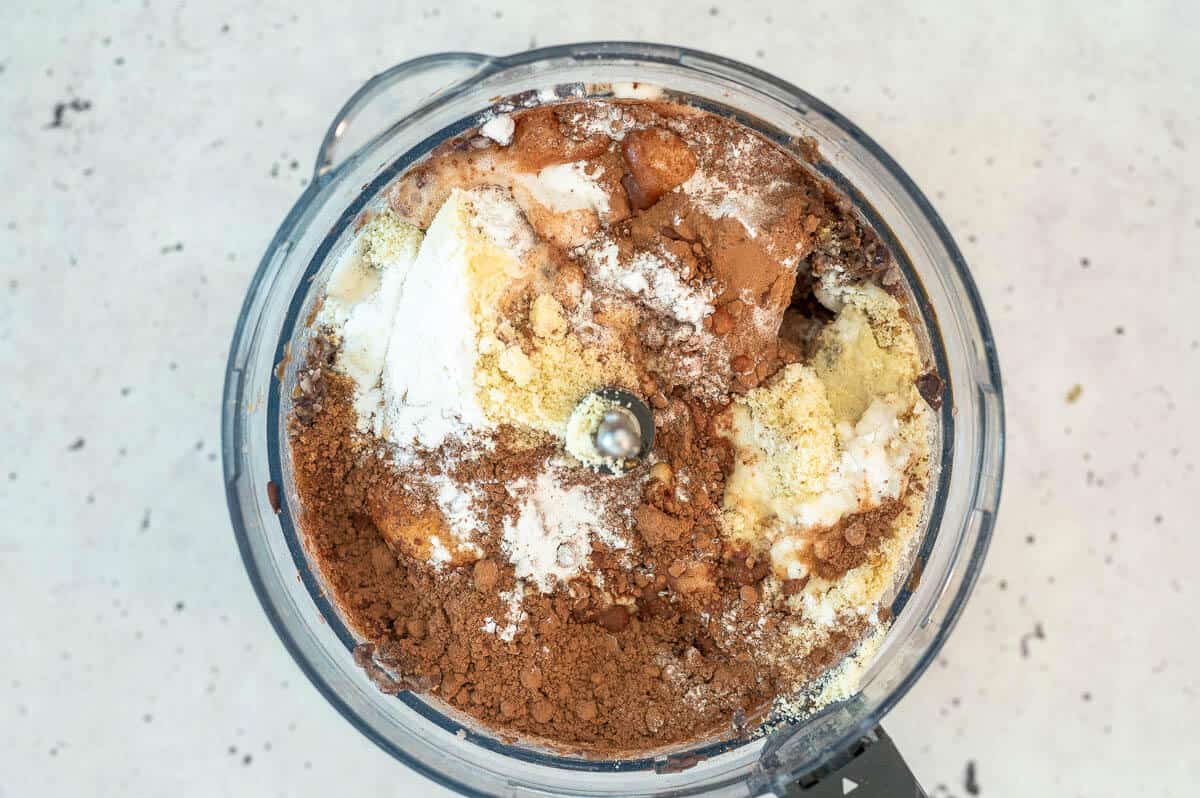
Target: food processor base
[(871, 768)]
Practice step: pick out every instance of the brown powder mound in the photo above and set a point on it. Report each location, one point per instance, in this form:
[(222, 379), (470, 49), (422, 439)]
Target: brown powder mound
[(614, 684), (658, 161), (624, 668), (756, 288), (539, 141), (676, 635), (848, 543)]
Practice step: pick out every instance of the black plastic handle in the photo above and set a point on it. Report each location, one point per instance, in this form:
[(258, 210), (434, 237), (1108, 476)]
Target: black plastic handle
[(871, 768)]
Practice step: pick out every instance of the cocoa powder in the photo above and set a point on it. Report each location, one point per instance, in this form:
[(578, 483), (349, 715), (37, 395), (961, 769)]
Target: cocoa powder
[(848, 543)]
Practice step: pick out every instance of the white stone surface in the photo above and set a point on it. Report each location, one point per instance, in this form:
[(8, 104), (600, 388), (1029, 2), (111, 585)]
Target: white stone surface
[(1059, 141)]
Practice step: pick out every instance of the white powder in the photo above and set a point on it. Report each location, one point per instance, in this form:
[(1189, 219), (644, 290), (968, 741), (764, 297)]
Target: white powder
[(550, 539), (499, 129), (428, 376), (566, 187), (874, 456), (870, 468), (788, 550), (360, 303), (603, 120), (439, 555), (494, 213), (764, 319), (459, 504), (651, 279), (720, 199), (401, 305), (514, 615)]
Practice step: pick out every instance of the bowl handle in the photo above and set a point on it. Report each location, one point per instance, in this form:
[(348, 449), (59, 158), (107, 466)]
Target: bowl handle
[(392, 95)]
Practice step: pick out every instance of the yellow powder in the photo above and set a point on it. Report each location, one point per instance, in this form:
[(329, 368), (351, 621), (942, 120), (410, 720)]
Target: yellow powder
[(868, 351), (786, 447), (561, 372), (516, 366), (856, 368), (546, 317), (536, 385), (386, 239), (889, 326), (871, 582), (528, 381), (838, 684), (824, 607), (493, 274), (800, 446)]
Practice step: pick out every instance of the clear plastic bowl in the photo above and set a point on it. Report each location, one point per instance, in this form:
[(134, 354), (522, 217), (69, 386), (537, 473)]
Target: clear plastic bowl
[(422, 102)]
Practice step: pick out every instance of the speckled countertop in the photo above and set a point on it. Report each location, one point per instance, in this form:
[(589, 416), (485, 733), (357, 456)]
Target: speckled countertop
[(150, 149)]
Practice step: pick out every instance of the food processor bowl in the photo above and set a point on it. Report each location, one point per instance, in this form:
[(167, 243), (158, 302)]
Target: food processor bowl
[(394, 120)]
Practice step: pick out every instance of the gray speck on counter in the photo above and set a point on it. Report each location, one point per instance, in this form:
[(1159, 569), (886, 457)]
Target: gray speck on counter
[(970, 782), (1038, 633), (58, 118)]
